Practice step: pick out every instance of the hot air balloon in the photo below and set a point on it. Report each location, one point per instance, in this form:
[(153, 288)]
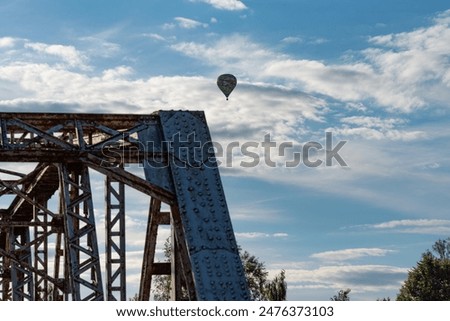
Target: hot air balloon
[(226, 84)]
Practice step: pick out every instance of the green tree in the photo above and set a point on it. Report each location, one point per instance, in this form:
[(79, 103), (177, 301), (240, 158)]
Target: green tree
[(342, 295), (256, 275), (429, 280), (276, 289)]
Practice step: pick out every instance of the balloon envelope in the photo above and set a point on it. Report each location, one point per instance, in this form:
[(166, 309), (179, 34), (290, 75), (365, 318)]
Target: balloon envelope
[(226, 83)]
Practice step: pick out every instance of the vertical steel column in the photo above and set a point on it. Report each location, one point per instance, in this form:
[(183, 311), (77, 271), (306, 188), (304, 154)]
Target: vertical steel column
[(21, 276), (179, 267), (149, 250), (80, 234), (176, 270), (2, 271), (115, 240), (59, 294), (41, 285), (5, 269)]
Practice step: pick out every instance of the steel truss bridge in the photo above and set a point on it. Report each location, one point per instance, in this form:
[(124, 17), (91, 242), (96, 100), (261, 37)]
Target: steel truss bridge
[(49, 248)]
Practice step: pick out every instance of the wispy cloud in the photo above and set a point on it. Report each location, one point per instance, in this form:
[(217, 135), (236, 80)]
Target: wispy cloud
[(155, 36), (245, 55), (292, 39), (187, 23), (230, 5), (350, 254), (98, 46), (376, 128), (260, 235), (307, 40), (374, 122), (419, 226)]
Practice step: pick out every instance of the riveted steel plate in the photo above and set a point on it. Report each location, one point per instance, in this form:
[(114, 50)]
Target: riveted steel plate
[(217, 268)]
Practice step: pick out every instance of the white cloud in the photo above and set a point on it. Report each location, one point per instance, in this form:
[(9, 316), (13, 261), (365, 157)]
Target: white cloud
[(291, 39), (350, 254), (68, 54), (318, 41), (376, 128), (370, 133), (357, 106), (230, 5), (362, 279), (280, 234), (155, 36), (409, 223), (186, 23), (246, 57), (401, 72), (117, 73), (7, 42), (373, 121), (410, 226), (259, 235), (168, 26), (309, 40), (99, 46)]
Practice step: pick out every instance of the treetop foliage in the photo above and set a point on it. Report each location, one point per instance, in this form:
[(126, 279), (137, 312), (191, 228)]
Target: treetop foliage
[(429, 280)]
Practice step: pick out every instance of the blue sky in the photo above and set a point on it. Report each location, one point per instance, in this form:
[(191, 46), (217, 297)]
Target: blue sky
[(375, 74)]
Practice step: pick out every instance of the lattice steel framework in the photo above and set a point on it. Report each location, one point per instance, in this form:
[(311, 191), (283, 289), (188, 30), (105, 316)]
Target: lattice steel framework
[(48, 233)]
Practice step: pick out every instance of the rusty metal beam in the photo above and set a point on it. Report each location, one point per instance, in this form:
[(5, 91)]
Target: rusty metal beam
[(111, 154), (48, 120)]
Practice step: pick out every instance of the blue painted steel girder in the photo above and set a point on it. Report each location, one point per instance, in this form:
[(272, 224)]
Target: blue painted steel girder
[(216, 265)]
